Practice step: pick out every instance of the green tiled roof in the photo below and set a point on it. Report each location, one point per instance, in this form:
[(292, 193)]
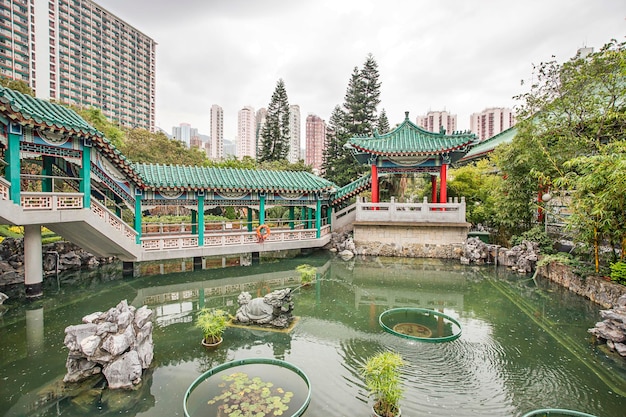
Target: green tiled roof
[(29, 110), (228, 179), (489, 145), (408, 139), (352, 189)]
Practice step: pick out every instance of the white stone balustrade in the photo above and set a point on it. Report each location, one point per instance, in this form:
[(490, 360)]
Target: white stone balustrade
[(425, 212)]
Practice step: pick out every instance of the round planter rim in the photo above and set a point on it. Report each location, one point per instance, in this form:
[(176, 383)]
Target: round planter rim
[(557, 411), (420, 310), (251, 361)]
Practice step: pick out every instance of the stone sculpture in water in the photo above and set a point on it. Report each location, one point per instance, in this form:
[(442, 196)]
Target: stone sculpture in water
[(274, 309)]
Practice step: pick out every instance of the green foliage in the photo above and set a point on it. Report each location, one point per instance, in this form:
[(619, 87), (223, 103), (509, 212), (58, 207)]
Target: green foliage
[(618, 272), (97, 119), (382, 378), (572, 109), (17, 85), (357, 117), (275, 135), (11, 231), (598, 196), (212, 322), (383, 122), (562, 258), (307, 273), (142, 146), (538, 235), (245, 396), (479, 186)]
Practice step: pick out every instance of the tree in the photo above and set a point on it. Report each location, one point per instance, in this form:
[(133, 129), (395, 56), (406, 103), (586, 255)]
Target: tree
[(98, 120), (572, 109), (275, 135), (597, 184), (383, 122), (142, 146), (357, 117), (17, 85)]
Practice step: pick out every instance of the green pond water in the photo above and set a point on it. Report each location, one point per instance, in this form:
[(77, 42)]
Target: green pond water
[(524, 343)]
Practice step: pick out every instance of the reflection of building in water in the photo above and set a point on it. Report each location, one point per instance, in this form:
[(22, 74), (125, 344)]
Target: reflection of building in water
[(392, 298), (174, 313)]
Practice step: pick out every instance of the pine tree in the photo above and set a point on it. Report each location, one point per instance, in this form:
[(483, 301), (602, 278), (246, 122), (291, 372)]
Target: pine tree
[(383, 122), (275, 135), (358, 118)]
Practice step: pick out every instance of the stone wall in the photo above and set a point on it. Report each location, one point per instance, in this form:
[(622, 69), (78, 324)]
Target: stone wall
[(597, 289), (421, 240)]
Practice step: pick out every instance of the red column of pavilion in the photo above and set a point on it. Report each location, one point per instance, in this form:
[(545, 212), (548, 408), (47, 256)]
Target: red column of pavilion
[(375, 196), (443, 188)]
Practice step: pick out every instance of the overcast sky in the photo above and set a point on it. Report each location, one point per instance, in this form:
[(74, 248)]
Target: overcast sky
[(456, 55)]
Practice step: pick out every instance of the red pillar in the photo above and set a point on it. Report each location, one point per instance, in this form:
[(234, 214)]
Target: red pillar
[(375, 197), (443, 188), (433, 185)]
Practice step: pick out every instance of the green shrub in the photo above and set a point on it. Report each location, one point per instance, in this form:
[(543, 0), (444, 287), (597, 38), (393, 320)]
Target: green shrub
[(537, 235), (618, 272)]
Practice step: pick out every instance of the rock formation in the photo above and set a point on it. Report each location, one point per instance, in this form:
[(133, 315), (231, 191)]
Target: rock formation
[(612, 330), (117, 343)]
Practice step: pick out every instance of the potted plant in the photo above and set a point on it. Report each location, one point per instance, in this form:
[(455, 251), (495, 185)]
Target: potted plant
[(212, 322), (307, 274), (382, 378)]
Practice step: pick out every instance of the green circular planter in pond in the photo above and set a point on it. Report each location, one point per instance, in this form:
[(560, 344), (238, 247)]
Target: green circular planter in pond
[(420, 324), (261, 385), (556, 412)]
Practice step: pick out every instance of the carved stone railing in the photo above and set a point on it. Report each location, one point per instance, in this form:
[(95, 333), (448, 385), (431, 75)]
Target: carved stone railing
[(425, 212), (5, 186), (112, 220), (156, 243), (51, 201)]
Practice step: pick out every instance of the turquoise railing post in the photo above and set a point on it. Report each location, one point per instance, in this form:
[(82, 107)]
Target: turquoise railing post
[(201, 219), (12, 172), (249, 219), (292, 216), (194, 220), (318, 219), (138, 216), (85, 174), (262, 209), (46, 171)]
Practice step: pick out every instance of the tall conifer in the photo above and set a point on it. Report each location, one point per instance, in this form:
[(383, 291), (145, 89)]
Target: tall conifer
[(275, 134)]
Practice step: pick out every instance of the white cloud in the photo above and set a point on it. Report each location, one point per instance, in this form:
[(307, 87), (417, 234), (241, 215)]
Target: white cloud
[(460, 55)]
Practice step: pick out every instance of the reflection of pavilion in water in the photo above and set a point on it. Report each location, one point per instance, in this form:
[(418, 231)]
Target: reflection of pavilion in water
[(176, 303), (424, 286)]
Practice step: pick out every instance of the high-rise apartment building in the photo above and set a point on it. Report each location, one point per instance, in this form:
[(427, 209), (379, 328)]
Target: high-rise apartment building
[(217, 132), (491, 121), (76, 52), (185, 133), (294, 132), (315, 140), (435, 120), (246, 132), (261, 117)]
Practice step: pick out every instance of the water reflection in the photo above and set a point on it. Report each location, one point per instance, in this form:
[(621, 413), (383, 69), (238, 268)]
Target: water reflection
[(506, 363)]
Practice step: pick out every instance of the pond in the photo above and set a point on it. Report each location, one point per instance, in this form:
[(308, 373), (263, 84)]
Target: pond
[(524, 342)]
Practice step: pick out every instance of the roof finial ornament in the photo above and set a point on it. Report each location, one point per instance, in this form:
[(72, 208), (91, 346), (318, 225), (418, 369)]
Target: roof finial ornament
[(406, 115)]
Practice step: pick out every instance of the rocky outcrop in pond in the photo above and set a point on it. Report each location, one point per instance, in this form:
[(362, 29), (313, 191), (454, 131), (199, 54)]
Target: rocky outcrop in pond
[(521, 258), (612, 330), (116, 343)]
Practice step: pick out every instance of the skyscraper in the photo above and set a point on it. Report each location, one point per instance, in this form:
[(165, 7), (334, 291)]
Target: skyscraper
[(184, 133), (76, 52), (246, 132), (435, 120), (315, 140), (217, 132), (491, 121), (294, 132)]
